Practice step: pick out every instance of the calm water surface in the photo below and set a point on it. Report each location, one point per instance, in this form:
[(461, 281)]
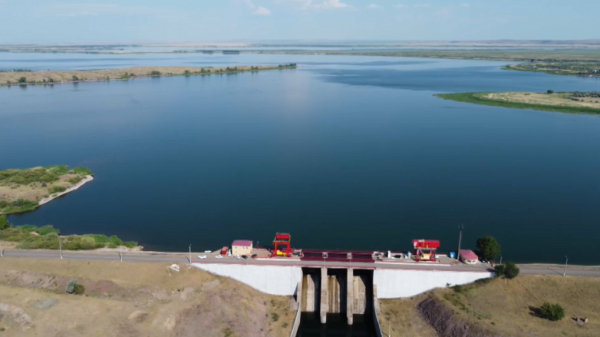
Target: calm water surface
[(344, 152)]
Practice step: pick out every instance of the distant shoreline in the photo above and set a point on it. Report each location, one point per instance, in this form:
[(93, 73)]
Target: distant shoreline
[(565, 102), (26, 78)]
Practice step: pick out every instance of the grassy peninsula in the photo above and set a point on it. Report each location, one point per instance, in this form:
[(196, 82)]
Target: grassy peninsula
[(568, 102), (24, 77), (23, 190)]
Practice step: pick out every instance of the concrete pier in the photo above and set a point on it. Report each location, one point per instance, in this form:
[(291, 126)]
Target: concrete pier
[(350, 296), (324, 307), (309, 293), (360, 294)]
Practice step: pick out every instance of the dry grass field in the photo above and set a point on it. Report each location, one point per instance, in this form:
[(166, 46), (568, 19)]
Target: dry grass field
[(132, 299), (509, 307), (56, 77), (404, 318)]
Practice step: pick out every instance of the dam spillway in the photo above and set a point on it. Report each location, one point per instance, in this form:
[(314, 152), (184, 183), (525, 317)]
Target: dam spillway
[(337, 291)]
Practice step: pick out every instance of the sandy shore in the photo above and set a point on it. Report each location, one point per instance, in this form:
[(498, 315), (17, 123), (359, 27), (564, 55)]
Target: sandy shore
[(68, 190)]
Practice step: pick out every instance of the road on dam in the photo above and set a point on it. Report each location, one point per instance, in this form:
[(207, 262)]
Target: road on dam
[(532, 269)]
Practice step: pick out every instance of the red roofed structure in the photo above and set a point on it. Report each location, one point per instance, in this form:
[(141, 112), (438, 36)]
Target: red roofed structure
[(241, 247), (468, 256)]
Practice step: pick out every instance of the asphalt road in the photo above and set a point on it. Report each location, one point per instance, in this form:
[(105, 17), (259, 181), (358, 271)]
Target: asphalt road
[(530, 269)]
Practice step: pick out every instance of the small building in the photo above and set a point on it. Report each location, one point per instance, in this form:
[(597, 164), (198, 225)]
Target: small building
[(468, 256), (241, 247)]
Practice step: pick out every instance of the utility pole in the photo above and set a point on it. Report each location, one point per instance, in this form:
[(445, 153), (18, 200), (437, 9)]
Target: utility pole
[(460, 228), (190, 254), (389, 328), (121, 256), (60, 247), (566, 261)]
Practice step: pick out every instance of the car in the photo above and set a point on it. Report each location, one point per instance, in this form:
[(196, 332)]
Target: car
[(244, 257), (202, 256), (237, 257), (219, 256)]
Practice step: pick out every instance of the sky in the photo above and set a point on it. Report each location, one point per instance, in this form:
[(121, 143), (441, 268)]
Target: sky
[(145, 21)]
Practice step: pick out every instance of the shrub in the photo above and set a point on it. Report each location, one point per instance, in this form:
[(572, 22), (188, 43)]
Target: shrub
[(22, 80), (56, 189), (4, 224), (511, 270), (508, 270), (275, 317), (71, 287), (45, 230), (75, 180), (75, 78), (79, 289), (488, 247), (553, 312), (499, 270), (550, 91), (155, 73)]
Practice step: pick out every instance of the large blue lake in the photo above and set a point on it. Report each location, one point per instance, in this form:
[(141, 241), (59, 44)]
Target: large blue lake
[(343, 152)]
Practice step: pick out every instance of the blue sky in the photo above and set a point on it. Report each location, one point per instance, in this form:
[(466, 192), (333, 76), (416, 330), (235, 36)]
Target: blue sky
[(125, 21)]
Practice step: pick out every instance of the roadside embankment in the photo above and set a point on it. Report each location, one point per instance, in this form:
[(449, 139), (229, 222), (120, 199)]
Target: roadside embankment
[(502, 307), (24, 78), (132, 299)]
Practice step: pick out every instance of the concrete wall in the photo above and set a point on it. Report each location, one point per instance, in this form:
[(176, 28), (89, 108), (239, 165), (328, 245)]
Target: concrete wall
[(274, 280), (396, 283), (296, 325)]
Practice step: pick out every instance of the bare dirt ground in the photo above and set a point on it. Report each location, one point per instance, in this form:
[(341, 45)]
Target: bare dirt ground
[(132, 299), (510, 307), (56, 77), (404, 319), (556, 99)]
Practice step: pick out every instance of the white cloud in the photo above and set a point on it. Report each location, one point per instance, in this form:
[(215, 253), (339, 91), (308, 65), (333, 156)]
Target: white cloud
[(262, 11), (465, 5), (373, 6), (322, 5)]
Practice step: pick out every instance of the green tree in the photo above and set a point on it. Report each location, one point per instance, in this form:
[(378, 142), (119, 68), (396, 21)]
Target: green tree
[(511, 270), (75, 78), (488, 248), (22, 80), (550, 91), (553, 312), (4, 224)]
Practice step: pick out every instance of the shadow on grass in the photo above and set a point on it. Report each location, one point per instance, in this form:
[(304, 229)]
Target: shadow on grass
[(536, 312)]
